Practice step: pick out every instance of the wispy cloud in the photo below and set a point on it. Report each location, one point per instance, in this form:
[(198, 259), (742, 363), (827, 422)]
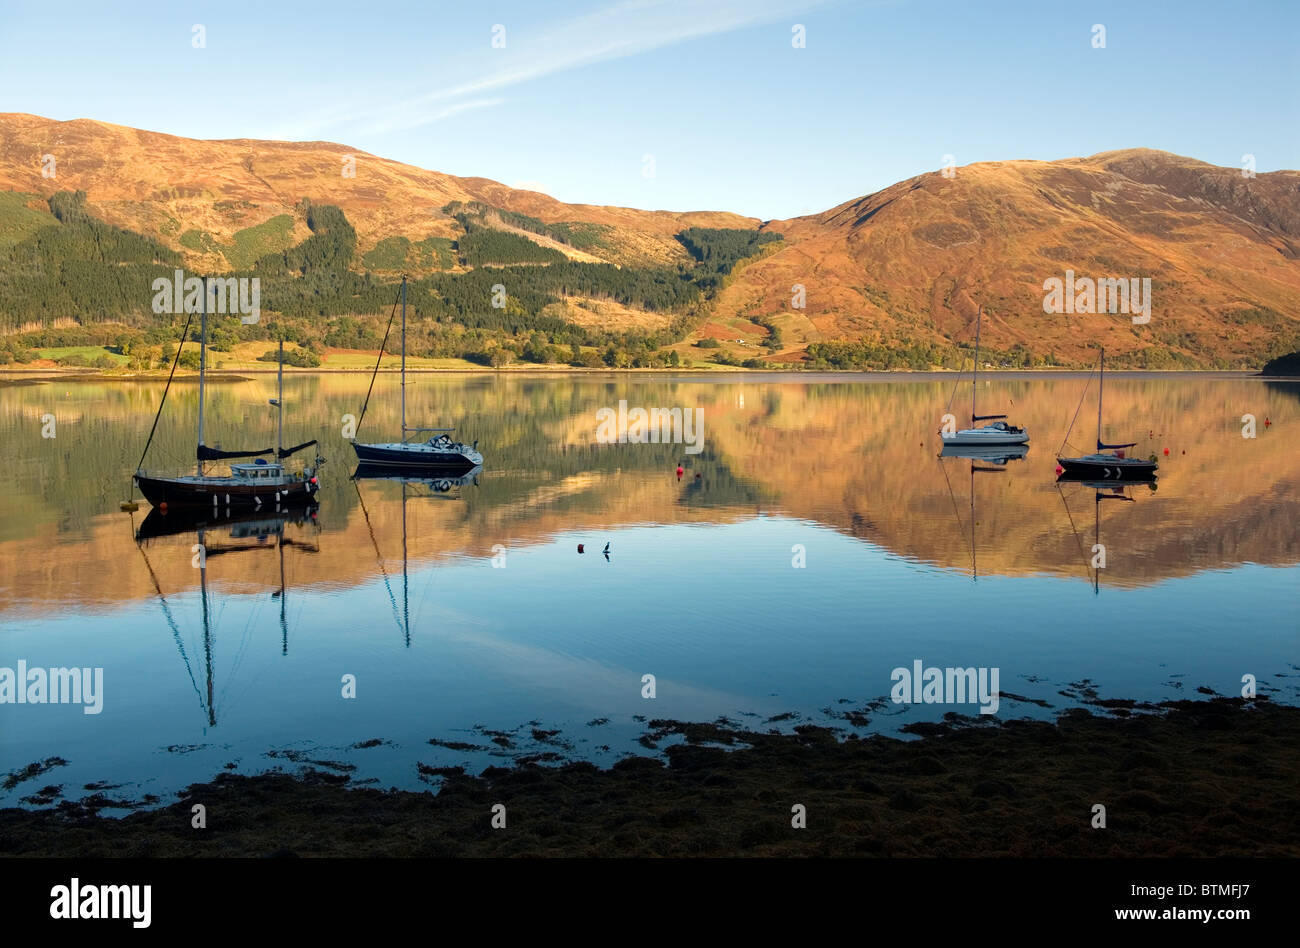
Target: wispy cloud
[(348, 115), (448, 111), (623, 29)]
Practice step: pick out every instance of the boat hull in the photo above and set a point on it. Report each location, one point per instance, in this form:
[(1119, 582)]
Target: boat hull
[(998, 454), (1108, 468), (981, 438), (217, 493), (439, 479), (986, 437), (415, 457)]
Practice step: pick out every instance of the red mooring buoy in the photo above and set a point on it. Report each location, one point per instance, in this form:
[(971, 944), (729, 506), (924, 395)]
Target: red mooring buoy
[(579, 547)]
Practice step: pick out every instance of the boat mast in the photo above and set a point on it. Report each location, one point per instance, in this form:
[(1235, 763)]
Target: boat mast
[(203, 364), (974, 379), (1101, 382), (279, 403), (403, 356)]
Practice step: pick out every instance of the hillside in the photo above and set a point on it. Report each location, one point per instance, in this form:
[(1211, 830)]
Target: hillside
[(892, 279), (165, 187), (910, 263)]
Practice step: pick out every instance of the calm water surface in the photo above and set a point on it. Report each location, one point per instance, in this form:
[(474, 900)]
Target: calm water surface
[(814, 543)]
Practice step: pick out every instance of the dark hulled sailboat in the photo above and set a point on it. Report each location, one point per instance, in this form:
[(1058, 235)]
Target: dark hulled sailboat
[(439, 453), (259, 484), (1103, 466)]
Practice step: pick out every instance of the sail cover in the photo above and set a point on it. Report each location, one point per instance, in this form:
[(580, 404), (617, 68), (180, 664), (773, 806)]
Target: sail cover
[(285, 452), (212, 454), (1103, 447)]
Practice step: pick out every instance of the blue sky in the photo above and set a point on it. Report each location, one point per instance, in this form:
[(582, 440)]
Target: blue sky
[(735, 117)]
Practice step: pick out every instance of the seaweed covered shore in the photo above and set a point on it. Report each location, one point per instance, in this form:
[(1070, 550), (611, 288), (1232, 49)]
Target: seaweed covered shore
[(1218, 777)]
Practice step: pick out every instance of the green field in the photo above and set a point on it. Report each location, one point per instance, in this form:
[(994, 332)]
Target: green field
[(245, 357), (365, 360), (434, 253), (17, 220), (85, 355), (581, 235), (249, 244), (270, 236), (389, 254), (200, 241), (398, 253)]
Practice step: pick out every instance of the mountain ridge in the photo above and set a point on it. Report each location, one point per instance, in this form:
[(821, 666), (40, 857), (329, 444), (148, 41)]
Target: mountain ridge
[(77, 172), (902, 269)]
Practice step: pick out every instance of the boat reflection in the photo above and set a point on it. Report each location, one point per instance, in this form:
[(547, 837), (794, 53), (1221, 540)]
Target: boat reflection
[(223, 535), (415, 482), (992, 454), (438, 481), (241, 524), (1102, 491)]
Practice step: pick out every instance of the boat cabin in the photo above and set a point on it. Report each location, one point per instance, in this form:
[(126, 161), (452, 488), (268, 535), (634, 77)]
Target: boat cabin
[(258, 471)]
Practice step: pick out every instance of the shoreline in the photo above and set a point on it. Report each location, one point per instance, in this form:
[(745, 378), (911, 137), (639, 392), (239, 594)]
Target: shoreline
[(52, 374), (1203, 778)]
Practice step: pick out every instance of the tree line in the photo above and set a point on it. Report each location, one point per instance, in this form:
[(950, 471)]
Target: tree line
[(84, 268)]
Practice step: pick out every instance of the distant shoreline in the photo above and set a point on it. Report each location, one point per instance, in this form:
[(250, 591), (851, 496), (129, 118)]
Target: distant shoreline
[(51, 374)]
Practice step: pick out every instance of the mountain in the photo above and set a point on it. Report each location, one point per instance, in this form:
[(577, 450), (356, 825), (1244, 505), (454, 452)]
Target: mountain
[(165, 186), (911, 263), (890, 279)]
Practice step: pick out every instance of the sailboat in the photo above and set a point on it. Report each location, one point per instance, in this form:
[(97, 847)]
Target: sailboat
[(1102, 466), (439, 452), (256, 484), (998, 433)]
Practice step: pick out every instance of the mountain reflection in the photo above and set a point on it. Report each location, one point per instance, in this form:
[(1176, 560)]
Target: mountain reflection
[(857, 457)]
